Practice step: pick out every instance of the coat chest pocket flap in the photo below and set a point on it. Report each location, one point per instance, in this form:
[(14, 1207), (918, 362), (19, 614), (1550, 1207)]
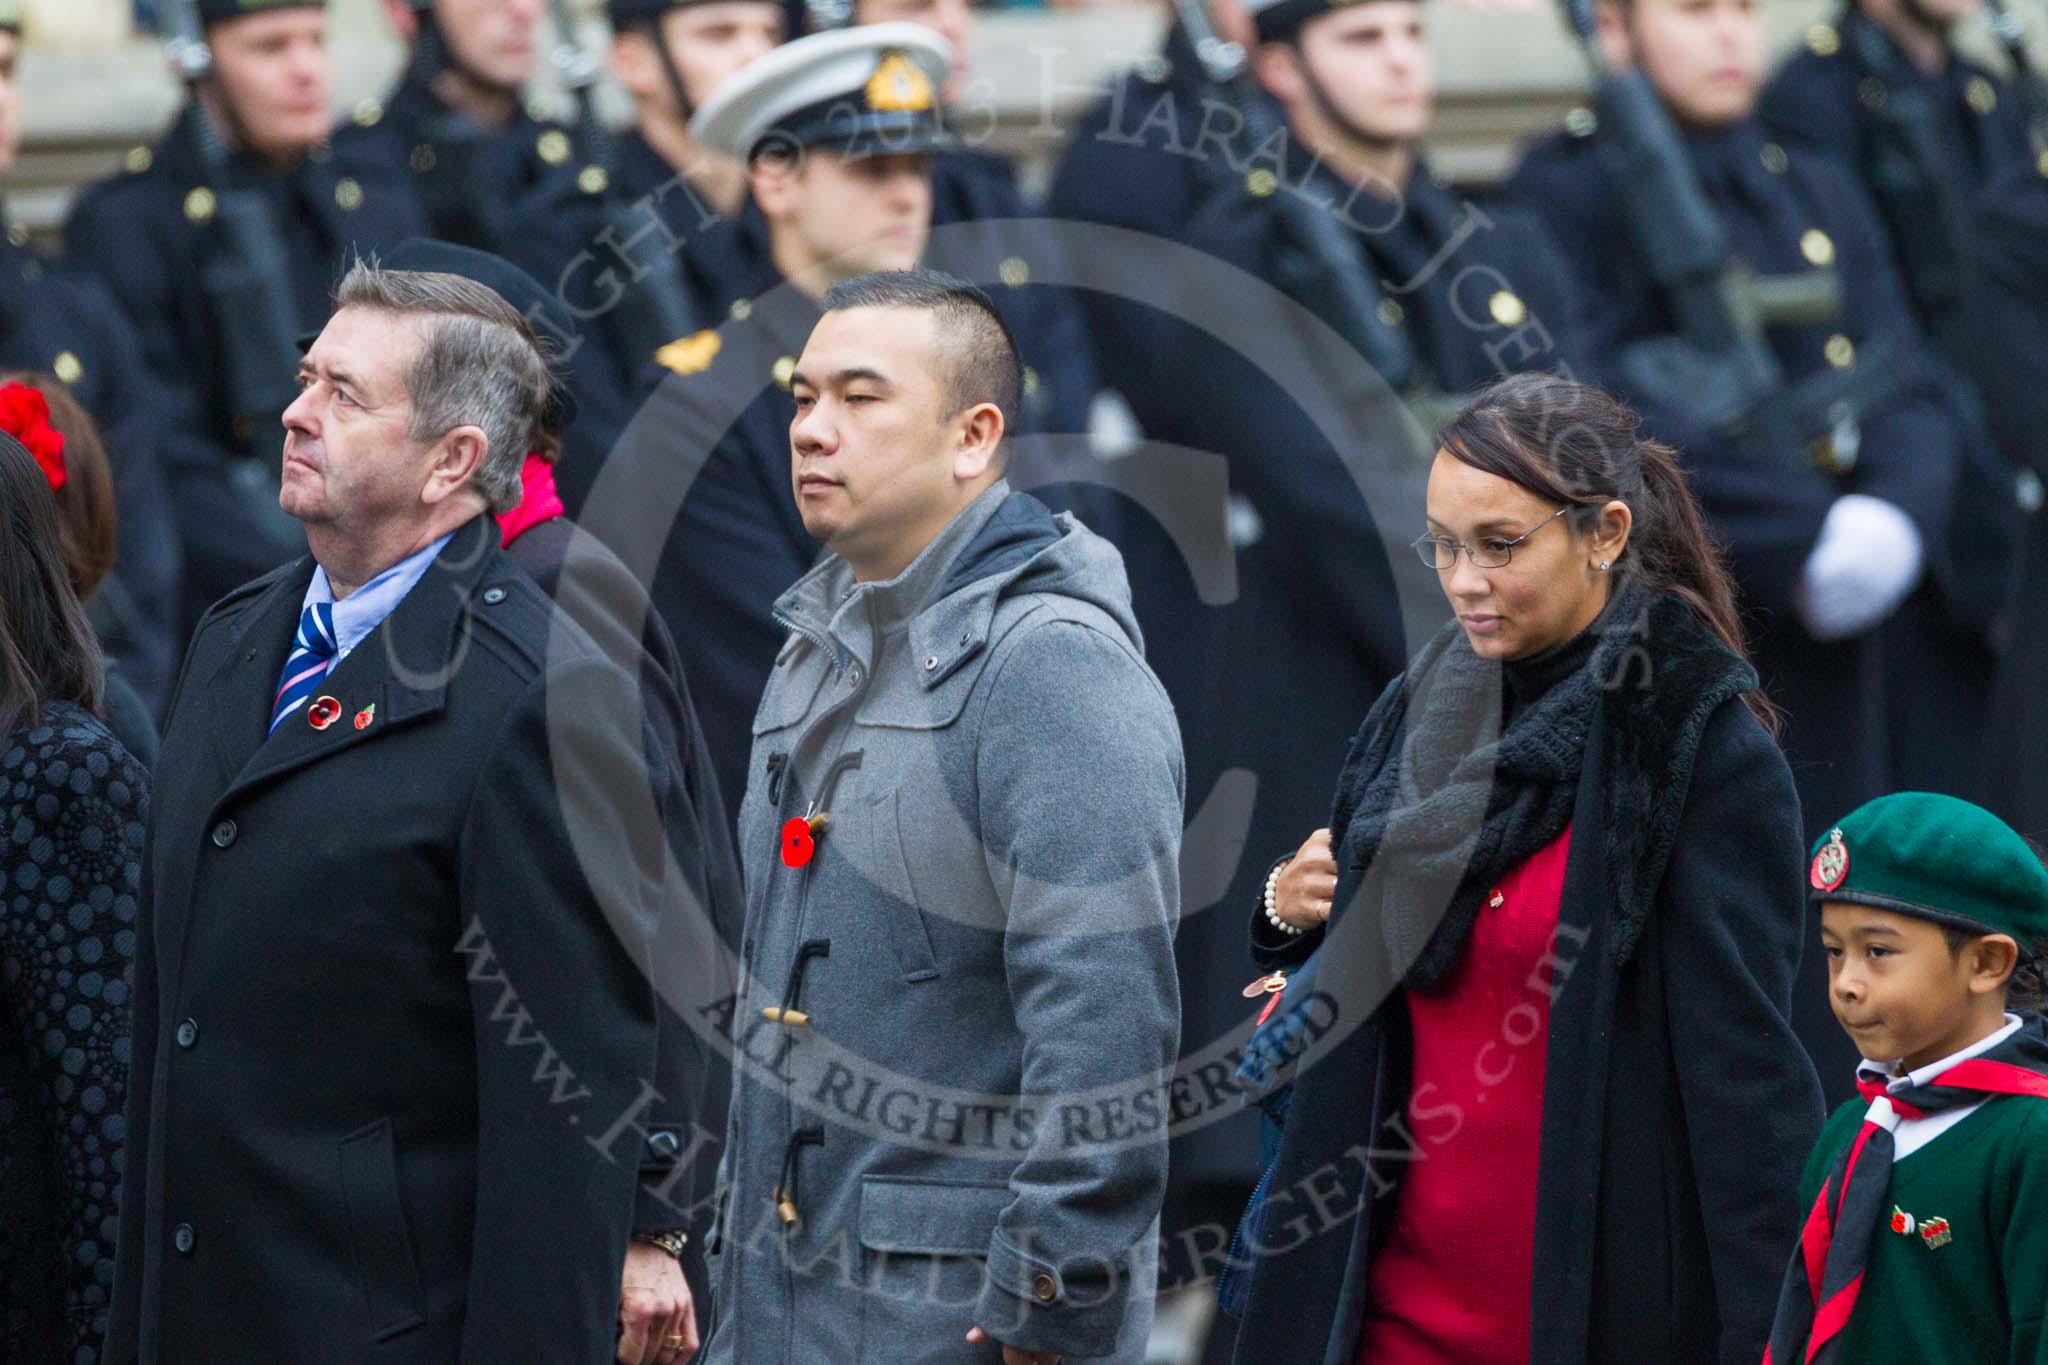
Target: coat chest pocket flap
[(385, 1268), (929, 1217), (898, 904)]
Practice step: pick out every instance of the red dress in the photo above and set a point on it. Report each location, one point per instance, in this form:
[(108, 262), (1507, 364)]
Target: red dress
[(1451, 1284)]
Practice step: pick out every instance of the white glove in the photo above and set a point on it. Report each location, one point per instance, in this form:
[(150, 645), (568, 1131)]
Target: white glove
[(1867, 559)]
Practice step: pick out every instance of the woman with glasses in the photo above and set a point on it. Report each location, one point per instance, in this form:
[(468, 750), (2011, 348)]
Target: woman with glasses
[(1554, 1109)]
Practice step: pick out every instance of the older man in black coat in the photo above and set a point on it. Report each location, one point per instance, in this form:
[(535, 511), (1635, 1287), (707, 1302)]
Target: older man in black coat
[(390, 984)]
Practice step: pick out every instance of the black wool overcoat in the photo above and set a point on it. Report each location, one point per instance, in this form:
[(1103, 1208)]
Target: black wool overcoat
[(391, 994)]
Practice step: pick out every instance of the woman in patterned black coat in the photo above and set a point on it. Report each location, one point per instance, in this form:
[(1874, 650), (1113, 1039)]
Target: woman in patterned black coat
[(72, 803)]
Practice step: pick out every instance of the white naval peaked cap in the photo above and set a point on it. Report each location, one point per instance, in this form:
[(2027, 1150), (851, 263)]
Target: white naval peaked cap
[(873, 89)]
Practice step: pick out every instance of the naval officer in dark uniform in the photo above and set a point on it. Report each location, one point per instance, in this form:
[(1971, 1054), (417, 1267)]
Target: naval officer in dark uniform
[(1829, 530), (1942, 146), (241, 208)]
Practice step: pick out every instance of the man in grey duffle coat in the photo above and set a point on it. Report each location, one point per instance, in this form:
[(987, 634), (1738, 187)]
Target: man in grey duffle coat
[(958, 1010)]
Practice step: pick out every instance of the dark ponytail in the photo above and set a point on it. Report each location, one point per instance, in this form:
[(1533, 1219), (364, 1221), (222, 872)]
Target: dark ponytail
[(1572, 443)]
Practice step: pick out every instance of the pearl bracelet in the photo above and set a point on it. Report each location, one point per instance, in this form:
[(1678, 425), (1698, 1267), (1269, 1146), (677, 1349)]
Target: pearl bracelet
[(1272, 912)]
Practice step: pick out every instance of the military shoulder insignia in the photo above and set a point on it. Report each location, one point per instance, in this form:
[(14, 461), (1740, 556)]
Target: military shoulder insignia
[(1831, 864), (899, 86), (692, 354)]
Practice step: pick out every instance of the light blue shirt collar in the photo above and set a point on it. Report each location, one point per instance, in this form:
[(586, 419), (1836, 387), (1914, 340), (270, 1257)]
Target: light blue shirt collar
[(363, 610)]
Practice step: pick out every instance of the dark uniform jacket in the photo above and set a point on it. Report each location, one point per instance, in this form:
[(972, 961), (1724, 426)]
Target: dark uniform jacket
[(148, 235), (63, 324), (467, 179), (1130, 165), (1766, 506), (391, 994), (1947, 159), (695, 495), (570, 242)]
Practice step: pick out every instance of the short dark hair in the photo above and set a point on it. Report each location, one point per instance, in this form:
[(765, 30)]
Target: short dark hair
[(985, 365)]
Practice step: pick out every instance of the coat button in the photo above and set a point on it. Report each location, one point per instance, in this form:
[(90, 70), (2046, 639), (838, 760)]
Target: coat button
[(224, 834), (664, 1145), (182, 1239), (1043, 1286), (188, 1033), (493, 596)]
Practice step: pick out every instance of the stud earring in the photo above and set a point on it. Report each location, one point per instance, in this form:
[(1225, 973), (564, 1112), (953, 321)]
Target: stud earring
[(1603, 566)]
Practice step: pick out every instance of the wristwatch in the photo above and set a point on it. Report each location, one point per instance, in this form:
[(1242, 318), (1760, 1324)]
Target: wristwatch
[(671, 1242)]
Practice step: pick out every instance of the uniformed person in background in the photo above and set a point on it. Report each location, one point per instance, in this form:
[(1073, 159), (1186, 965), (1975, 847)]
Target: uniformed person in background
[(58, 323), (836, 130), (220, 243), (1942, 146), (458, 120), (609, 254), (1828, 528), (670, 56), (1129, 166), (973, 186), (1327, 198)]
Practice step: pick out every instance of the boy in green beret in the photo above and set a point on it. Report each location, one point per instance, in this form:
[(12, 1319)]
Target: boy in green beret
[(1927, 1236)]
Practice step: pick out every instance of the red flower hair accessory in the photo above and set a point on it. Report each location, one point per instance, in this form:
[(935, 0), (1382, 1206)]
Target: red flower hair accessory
[(25, 415)]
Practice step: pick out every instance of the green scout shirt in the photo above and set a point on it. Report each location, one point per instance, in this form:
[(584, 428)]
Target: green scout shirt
[(1980, 1298)]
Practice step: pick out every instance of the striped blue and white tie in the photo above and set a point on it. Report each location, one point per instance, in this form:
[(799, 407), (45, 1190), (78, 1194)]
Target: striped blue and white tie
[(312, 655)]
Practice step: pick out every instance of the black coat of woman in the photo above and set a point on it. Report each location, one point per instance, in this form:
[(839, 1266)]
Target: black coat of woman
[(1677, 1105), (73, 802)]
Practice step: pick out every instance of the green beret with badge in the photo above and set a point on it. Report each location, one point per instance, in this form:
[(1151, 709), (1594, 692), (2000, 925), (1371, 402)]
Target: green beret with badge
[(867, 91), (1936, 858)]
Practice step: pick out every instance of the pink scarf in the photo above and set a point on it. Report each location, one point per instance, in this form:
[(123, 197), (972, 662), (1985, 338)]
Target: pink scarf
[(538, 500)]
